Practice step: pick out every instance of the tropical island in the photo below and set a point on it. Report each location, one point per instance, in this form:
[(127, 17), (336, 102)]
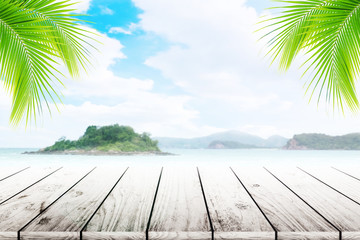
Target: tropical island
[(315, 141), (240, 140), (106, 140)]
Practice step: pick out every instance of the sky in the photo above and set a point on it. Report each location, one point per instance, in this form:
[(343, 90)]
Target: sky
[(180, 68)]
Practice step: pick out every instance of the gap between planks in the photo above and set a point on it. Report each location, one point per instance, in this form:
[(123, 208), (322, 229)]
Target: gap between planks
[(41, 212), (14, 173), (155, 195), (328, 185), (257, 205), (327, 220), (10, 197), (206, 205)]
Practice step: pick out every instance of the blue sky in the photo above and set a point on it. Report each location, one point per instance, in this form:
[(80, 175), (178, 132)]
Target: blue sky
[(180, 68)]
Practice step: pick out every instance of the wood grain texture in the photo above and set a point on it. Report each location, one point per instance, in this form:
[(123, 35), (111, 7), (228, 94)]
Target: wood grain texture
[(339, 210), (181, 235), (51, 236), (179, 211), (18, 182), (18, 211), (114, 235), (125, 213), (337, 180), (233, 213), (292, 218), (8, 236), (70, 213)]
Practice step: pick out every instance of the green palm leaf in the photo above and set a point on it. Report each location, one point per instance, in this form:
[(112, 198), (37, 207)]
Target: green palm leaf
[(35, 36), (328, 32)]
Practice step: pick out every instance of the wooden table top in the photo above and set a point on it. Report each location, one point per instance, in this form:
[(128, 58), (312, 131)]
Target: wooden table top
[(169, 202)]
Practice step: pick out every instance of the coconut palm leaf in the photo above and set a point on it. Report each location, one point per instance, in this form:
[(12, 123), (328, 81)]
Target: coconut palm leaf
[(328, 33), (35, 36)]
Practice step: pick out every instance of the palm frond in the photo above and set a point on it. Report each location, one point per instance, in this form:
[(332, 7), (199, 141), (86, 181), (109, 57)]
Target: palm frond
[(328, 32), (34, 36)]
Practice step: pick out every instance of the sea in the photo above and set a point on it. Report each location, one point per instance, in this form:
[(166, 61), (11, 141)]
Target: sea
[(14, 157)]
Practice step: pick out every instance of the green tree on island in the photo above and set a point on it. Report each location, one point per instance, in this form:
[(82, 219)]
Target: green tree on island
[(328, 32), (108, 138), (35, 36)]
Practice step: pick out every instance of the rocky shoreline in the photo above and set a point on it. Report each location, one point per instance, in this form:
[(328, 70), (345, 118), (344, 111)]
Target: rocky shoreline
[(292, 144), (98, 153)]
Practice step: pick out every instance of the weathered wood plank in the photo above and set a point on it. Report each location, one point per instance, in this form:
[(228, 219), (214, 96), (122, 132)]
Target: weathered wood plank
[(125, 213), (12, 186), (179, 211), (18, 211), (339, 210), (233, 213), (66, 218), (290, 216), (338, 181), (7, 172)]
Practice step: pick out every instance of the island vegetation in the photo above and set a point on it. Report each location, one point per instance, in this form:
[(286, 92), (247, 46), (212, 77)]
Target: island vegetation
[(113, 139), (324, 142)]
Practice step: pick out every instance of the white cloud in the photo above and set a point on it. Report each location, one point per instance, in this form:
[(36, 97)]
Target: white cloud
[(106, 11), (104, 98), (100, 81), (81, 6), (158, 114), (214, 59), (147, 112), (119, 30), (133, 26), (130, 29), (215, 56), (265, 131)]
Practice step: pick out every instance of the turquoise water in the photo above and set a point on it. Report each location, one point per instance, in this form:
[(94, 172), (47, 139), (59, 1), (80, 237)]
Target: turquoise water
[(196, 157)]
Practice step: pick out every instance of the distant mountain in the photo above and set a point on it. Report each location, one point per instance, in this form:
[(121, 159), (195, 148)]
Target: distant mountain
[(277, 141), (315, 141), (229, 145), (232, 136)]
